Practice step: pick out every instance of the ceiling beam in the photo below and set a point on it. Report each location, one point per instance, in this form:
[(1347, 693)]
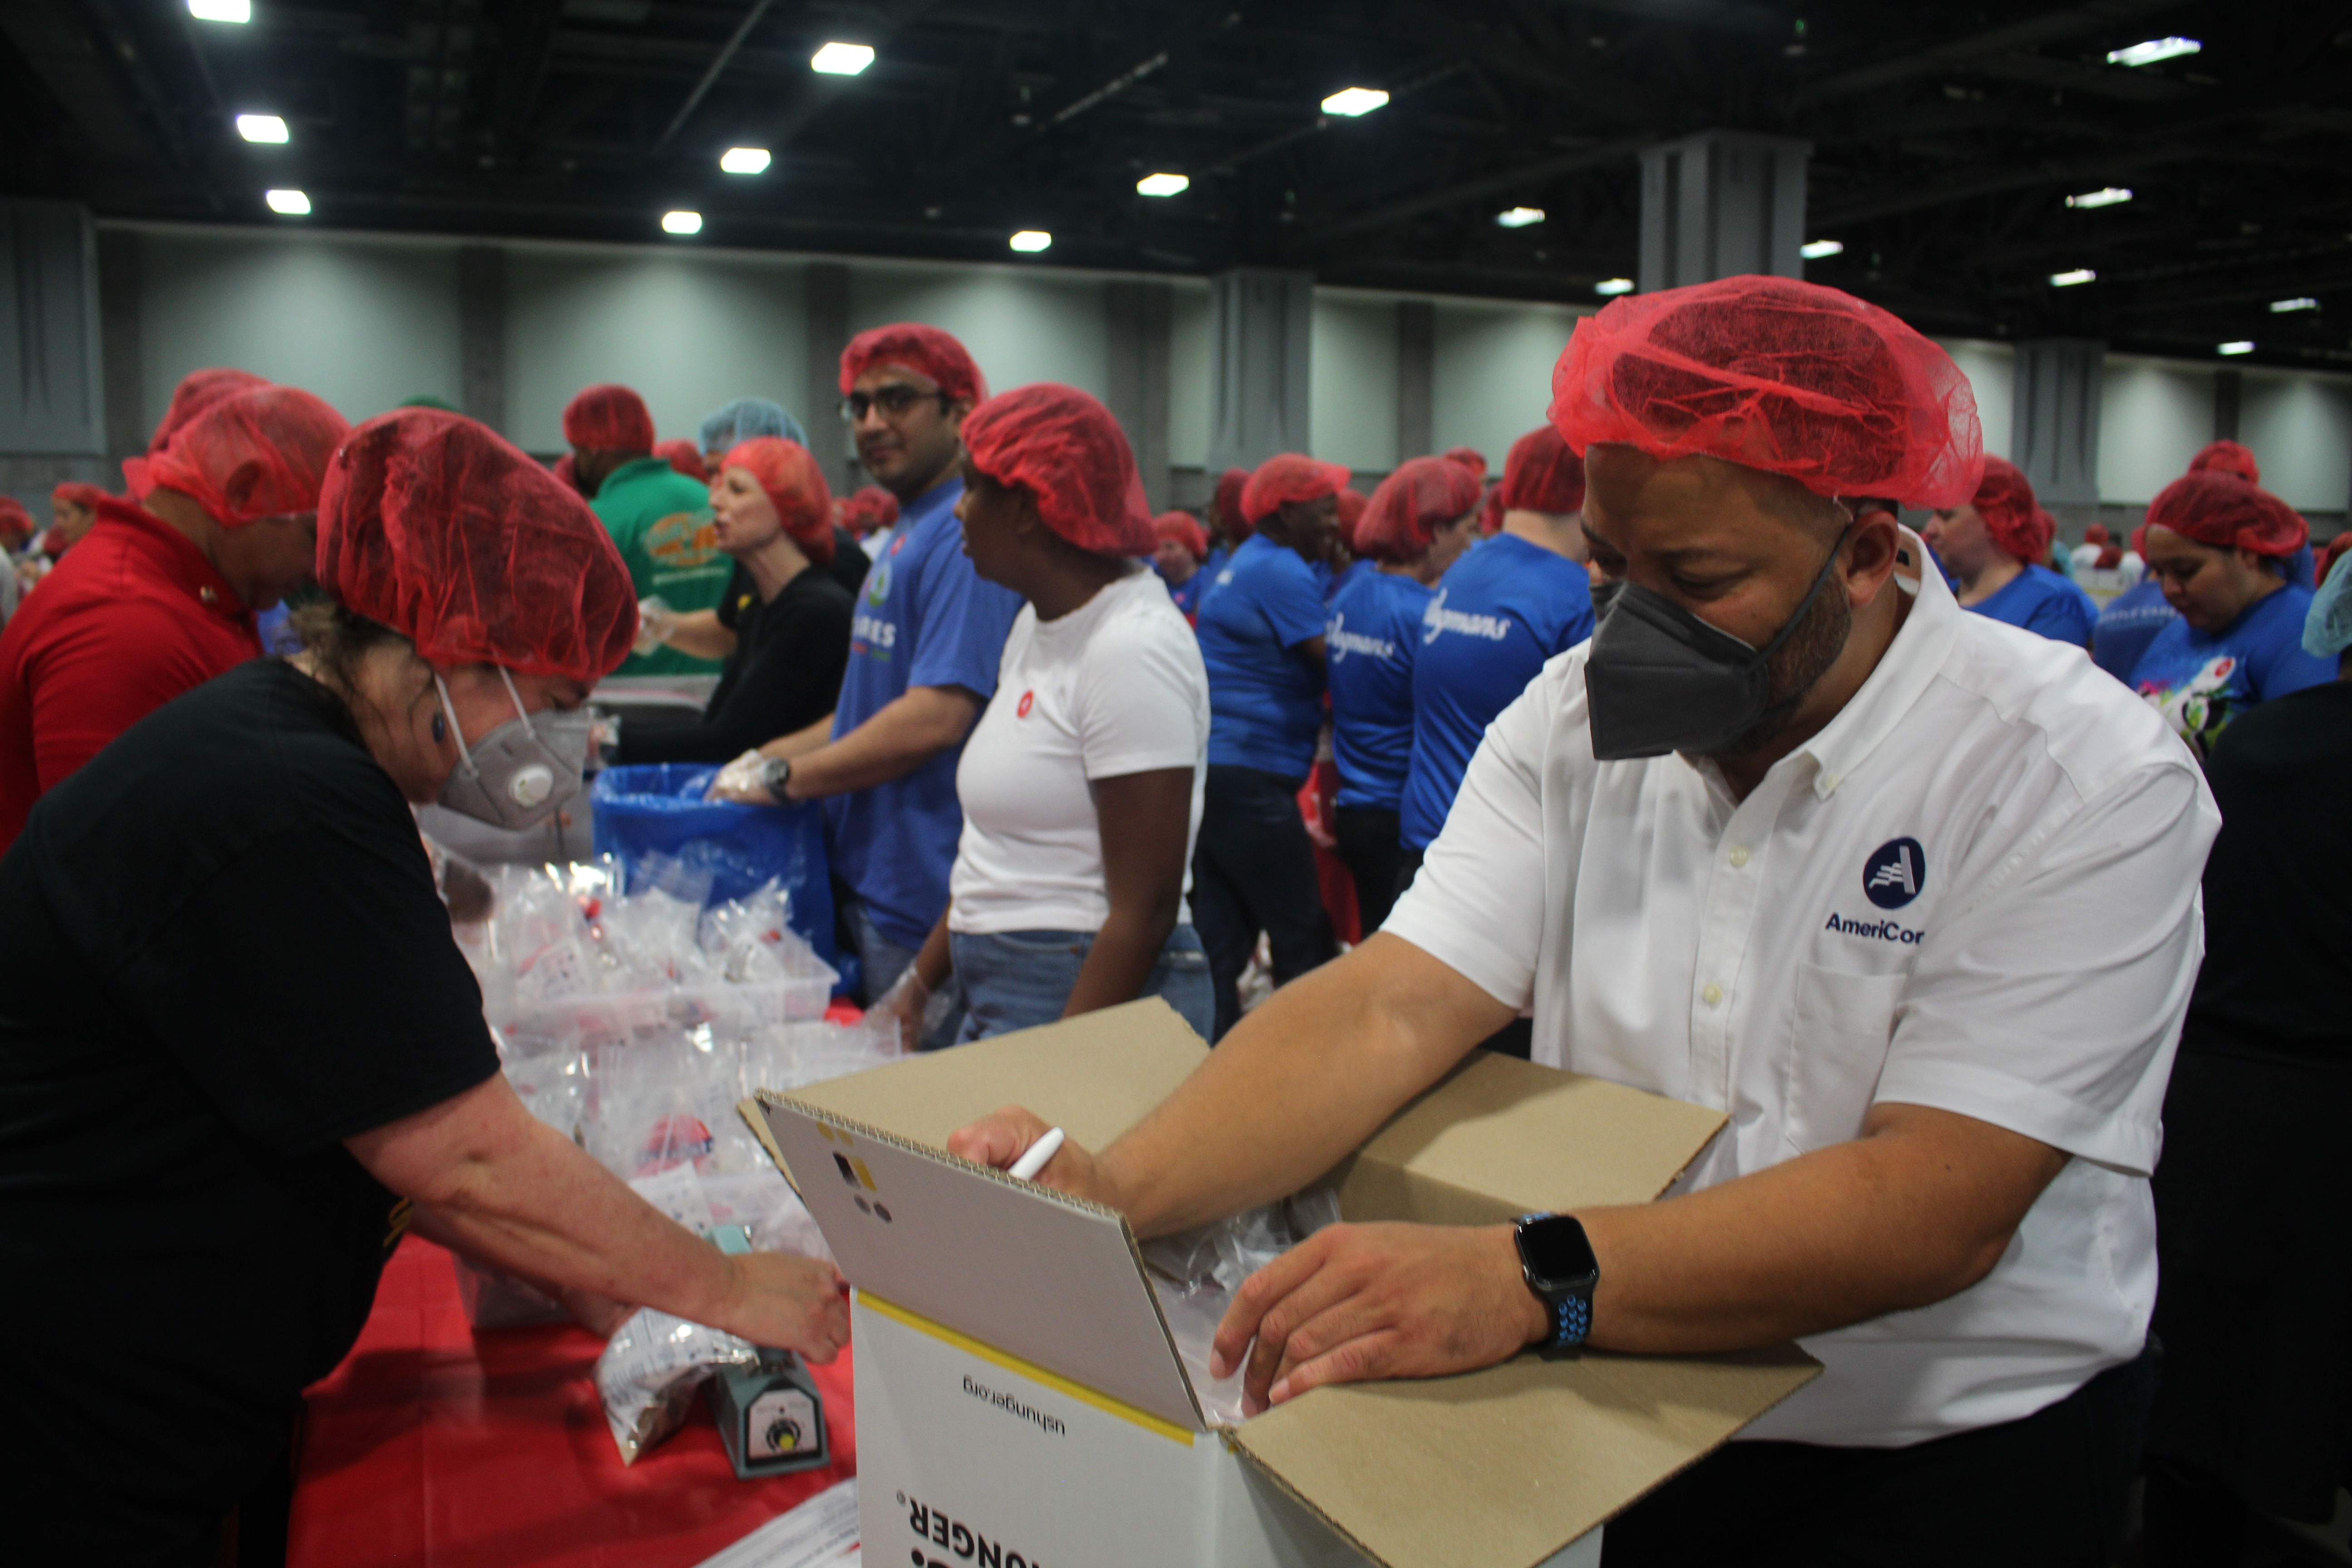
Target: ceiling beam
[(2050, 28)]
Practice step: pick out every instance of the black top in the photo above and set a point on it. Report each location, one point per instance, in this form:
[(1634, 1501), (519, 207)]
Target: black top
[(850, 561), (784, 674), (222, 955), (2278, 886)]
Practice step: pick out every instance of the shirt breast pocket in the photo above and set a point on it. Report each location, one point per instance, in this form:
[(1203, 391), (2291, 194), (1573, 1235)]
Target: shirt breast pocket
[(1841, 1027)]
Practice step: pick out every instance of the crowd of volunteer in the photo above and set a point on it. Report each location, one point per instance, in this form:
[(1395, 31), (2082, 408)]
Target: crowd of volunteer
[(1966, 872)]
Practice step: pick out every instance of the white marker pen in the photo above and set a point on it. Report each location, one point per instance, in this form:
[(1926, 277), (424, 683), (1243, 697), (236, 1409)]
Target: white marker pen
[(1025, 1168)]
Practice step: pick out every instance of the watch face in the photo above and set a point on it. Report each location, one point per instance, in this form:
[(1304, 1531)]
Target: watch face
[(1556, 1250)]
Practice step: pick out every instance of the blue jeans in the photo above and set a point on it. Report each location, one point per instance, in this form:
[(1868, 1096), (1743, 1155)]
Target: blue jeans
[(1018, 980), (883, 962)]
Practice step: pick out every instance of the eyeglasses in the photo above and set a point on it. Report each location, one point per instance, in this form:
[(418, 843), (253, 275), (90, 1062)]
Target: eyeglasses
[(895, 402)]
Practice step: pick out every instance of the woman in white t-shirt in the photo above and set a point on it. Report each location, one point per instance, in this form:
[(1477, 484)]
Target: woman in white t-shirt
[(1081, 784)]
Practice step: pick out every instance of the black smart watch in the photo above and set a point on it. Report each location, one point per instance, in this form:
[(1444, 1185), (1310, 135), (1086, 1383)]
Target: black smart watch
[(1557, 1264)]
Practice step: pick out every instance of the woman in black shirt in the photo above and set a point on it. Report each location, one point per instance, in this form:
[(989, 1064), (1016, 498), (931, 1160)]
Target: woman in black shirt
[(240, 1054), (772, 513)]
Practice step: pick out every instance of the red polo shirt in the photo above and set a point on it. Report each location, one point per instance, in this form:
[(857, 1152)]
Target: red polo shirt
[(131, 617)]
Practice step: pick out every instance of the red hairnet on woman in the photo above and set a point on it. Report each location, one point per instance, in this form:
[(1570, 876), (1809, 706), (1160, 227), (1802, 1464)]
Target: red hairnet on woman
[(1417, 524), (1998, 546), (786, 617), (226, 945), (1183, 546), (160, 597), (1081, 784), (73, 511), (2219, 548)]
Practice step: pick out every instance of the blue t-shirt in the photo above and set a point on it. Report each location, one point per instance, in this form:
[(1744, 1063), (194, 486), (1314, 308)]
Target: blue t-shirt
[(1210, 570), (1187, 593), (924, 618), (1375, 629), (1265, 697), (2042, 601), (1499, 613), (2201, 681), (2128, 625)]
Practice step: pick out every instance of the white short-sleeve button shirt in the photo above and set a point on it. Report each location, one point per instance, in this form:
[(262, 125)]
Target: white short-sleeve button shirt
[(1976, 889)]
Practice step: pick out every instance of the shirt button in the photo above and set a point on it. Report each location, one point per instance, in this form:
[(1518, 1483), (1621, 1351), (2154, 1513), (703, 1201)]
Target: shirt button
[(1712, 994), (1740, 856)]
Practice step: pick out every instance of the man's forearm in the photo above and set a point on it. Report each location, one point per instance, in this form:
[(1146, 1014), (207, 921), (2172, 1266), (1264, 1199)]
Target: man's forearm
[(905, 733), (1298, 1084), (1911, 1214), (801, 741)]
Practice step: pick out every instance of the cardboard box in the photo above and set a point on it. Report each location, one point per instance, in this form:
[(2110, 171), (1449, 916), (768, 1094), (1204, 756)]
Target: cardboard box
[(1020, 1400)]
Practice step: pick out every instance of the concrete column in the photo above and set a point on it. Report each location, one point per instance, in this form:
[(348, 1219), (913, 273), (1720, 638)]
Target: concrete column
[(1138, 317), (52, 394), (824, 296), (1721, 204), (2229, 390), (1261, 326), (482, 333), (122, 351), (2054, 429), (1416, 378)]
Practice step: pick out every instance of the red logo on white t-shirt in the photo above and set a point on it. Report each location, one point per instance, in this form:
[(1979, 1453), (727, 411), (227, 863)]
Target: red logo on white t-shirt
[(1028, 700)]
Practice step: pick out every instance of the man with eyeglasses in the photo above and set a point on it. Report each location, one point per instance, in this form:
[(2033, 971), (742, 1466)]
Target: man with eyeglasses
[(923, 653), (160, 597)]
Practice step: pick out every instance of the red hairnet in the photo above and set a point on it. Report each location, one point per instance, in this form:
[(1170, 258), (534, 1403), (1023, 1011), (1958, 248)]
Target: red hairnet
[(1067, 451), (1469, 457), (433, 526), (82, 495), (1490, 512), (2095, 534), (928, 352), (2004, 499), (608, 419), (15, 522), (869, 508), (2224, 511), (1412, 504), (1778, 374), (2227, 457), (1185, 530), (1542, 474), (1289, 477), (198, 390), (1352, 502), (1230, 485), (255, 454), (684, 455), (795, 487)]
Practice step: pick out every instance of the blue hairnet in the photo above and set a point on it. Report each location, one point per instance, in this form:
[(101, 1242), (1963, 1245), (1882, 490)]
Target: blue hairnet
[(2327, 624), (746, 417)]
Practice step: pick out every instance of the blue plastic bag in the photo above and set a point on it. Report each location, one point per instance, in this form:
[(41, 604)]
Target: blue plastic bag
[(657, 808)]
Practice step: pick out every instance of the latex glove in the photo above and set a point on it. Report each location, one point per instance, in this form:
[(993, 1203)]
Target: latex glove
[(907, 1004), (655, 622), (739, 781)]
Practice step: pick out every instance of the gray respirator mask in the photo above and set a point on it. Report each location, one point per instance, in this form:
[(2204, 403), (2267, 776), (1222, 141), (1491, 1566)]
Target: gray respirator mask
[(516, 775)]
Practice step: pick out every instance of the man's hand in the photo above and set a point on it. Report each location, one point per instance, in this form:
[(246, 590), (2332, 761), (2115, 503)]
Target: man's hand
[(739, 781), (792, 1303), (1354, 1303), (1001, 1139)]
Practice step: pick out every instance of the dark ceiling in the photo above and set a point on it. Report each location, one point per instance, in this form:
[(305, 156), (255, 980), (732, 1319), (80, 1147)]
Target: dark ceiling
[(1946, 137)]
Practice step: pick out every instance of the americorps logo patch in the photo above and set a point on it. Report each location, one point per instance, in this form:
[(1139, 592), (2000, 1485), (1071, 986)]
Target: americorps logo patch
[(1895, 874)]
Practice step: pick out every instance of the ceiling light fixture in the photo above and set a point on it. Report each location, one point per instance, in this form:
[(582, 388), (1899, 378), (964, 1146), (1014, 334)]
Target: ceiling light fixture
[(1613, 286), (2239, 347), (841, 59), (1814, 249), (261, 128), (2068, 279), (1163, 185), (1352, 102), (1030, 240), (2153, 50), (2112, 195), (682, 222), (293, 203), (2280, 307), (744, 160), (221, 10), (1519, 217)]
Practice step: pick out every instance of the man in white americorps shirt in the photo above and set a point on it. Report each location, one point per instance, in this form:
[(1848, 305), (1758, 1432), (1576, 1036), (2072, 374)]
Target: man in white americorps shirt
[(1910, 894)]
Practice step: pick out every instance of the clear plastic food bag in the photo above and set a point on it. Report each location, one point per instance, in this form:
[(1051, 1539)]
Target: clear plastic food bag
[(649, 1370)]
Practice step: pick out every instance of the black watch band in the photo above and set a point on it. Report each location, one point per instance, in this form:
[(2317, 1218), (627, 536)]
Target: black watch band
[(1557, 1262)]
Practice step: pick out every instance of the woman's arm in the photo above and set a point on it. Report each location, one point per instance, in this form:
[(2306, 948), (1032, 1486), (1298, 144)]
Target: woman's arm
[(1147, 820), (788, 681)]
